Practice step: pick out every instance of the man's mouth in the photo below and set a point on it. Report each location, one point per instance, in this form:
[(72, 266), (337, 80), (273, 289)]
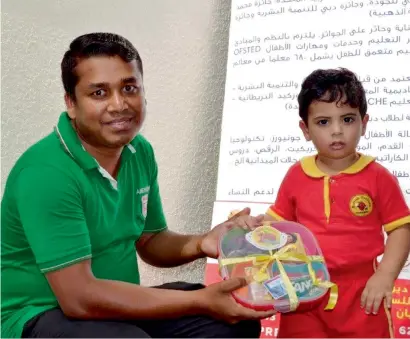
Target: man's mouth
[(120, 124)]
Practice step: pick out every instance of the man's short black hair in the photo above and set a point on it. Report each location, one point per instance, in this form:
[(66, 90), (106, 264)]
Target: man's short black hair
[(94, 44), (332, 85)]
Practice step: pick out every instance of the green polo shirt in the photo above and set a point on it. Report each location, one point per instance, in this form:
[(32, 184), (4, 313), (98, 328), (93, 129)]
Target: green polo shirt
[(60, 207)]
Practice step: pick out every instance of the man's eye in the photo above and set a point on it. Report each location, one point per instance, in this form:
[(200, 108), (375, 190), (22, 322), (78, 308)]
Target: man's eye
[(348, 120), (99, 93), (130, 88)]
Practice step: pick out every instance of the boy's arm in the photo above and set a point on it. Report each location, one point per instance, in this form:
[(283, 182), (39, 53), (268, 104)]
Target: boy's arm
[(396, 251), (395, 217)]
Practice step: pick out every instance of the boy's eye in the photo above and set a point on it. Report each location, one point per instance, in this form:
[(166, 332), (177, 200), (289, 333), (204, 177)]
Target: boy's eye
[(322, 122), (348, 119)]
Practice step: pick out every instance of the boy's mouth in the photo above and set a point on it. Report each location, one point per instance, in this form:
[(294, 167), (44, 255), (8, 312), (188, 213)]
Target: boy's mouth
[(337, 145)]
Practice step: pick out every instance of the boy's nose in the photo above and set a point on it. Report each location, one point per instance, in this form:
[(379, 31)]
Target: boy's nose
[(337, 129)]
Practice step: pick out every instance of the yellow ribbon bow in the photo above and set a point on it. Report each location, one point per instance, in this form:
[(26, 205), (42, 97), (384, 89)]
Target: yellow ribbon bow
[(286, 253)]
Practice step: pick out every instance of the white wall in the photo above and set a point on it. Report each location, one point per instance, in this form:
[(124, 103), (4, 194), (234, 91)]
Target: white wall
[(183, 44)]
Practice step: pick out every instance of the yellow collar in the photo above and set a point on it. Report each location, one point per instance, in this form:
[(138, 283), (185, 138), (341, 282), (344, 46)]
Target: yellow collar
[(310, 168)]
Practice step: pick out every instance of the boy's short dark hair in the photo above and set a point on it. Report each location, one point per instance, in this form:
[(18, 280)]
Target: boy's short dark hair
[(94, 44), (332, 85)]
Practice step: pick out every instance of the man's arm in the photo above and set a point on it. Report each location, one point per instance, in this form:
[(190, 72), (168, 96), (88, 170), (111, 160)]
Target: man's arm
[(50, 204), (169, 249), (82, 296), (158, 246)]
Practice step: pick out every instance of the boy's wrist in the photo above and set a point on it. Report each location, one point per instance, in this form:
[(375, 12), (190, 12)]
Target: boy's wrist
[(387, 272)]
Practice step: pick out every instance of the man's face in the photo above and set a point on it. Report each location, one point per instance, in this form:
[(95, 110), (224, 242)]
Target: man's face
[(335, 130), (109, 109)]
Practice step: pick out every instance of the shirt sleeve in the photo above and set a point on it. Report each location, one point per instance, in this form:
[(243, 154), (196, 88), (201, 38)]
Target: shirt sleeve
[(283, 208), (392, 207), (155, 220), (49, 204)]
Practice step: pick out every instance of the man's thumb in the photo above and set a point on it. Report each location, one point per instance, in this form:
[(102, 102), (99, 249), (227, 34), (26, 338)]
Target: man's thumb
[(233, 284), (260, 218)]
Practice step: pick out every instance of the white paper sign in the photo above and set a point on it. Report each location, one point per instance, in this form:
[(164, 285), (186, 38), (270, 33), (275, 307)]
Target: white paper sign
[(273, 46)]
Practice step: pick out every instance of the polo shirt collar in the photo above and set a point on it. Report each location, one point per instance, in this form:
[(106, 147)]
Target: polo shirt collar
[(72, 144), (310, 168)]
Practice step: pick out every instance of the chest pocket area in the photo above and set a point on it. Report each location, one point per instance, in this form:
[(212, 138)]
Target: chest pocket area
[(141, 207)]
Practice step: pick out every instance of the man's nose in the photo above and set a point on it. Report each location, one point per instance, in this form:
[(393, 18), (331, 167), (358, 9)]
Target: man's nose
[(116, 103)]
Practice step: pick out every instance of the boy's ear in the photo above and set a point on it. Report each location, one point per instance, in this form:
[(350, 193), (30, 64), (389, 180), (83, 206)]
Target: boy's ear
[(304, 129), (365, 120)]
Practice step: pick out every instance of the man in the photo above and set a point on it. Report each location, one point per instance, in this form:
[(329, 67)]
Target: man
[(77, 205)]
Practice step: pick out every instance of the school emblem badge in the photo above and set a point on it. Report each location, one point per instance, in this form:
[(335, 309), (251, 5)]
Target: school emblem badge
[(361, 205), (144, 201)]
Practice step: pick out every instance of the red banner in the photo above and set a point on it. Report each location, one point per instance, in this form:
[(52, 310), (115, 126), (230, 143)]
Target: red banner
[(401, 309)]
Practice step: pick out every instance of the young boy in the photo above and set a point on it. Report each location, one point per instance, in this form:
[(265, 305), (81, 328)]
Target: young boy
[(346, 199)]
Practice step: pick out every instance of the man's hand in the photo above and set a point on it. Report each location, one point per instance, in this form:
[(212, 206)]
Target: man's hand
[(245, 220), (379, 287), (83, 296), (208, 243), (216, 301)]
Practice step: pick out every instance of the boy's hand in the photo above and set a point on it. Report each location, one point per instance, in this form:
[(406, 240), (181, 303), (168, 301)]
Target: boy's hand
[(379, 287)]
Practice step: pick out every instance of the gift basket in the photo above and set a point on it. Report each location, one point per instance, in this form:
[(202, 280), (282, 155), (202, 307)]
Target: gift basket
[(284, 264)]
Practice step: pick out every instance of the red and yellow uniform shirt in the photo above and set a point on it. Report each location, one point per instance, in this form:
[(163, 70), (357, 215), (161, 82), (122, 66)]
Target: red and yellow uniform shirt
[(346, 212)]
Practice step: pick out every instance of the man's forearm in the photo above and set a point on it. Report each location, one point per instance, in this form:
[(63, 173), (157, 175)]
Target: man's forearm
[(169, 249), (396, 251), (108, 299)]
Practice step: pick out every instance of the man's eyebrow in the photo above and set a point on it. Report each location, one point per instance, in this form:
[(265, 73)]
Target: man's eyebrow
[(126, 80), (97, 85), (129, 79)]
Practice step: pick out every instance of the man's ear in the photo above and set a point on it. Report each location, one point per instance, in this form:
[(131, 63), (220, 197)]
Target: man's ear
[(304, 129), (145, 98), (365, 120), (70, 105)]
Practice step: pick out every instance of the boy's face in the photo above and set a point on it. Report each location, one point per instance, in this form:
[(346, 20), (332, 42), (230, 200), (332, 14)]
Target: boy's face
[(335, 130)]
